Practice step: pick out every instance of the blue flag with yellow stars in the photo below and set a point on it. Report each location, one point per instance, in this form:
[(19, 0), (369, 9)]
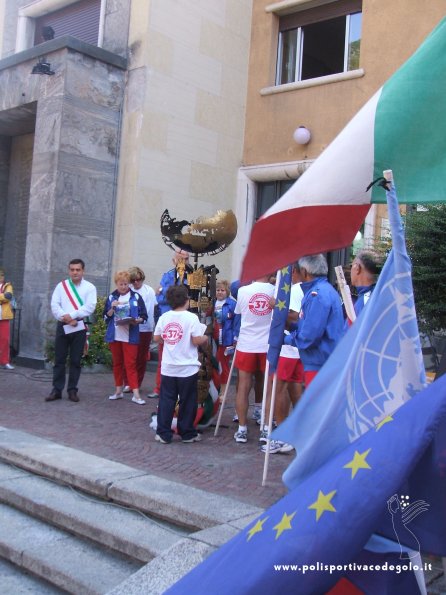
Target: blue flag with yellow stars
[(279, 318), (305, 542)]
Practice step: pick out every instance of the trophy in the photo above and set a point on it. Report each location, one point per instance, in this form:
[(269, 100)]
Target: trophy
[(203, 236)]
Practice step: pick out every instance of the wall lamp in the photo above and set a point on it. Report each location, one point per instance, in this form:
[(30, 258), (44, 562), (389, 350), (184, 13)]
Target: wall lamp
[(302, 135), (42, 67)]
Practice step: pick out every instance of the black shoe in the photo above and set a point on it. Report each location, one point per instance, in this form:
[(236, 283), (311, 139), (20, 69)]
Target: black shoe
[(54, 395), (72, 395)]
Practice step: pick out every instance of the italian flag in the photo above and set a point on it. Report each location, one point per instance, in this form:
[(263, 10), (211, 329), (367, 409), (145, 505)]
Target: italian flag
[(400, 128)]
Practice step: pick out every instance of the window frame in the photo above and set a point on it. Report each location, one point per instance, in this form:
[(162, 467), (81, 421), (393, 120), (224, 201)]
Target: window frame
[(299, 19)]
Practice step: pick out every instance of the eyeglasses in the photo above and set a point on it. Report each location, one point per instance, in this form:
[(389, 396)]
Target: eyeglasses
[(139, 279)]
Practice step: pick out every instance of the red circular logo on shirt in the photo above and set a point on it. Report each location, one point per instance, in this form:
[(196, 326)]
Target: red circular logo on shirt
[(259, 304), (173, 333)]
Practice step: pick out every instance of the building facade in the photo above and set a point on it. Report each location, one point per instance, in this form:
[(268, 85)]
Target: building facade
[(315, 63), (112, 111)]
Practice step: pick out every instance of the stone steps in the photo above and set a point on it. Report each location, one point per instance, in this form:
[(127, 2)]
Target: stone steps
[(64, 560), (123, 530), (15, 581), (87, 525)]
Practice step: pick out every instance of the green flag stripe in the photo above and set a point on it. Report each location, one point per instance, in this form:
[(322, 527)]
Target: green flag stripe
[(410, 125)]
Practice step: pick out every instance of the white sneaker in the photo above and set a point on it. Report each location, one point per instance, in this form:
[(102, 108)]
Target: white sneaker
[(138, 401), (115, 397), (8, 367), (127, 389), (196, 438), (257, 415), (241, 436), (276, 446)]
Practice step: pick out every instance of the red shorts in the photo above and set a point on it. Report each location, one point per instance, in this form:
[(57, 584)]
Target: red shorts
[(250, 362), (309, 375), (290, 369)]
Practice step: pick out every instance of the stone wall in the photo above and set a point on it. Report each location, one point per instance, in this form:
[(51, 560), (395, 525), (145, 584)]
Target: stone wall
[(73, 176), (5, 149)]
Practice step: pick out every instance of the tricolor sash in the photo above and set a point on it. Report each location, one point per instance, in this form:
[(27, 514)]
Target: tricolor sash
[(77, 301)]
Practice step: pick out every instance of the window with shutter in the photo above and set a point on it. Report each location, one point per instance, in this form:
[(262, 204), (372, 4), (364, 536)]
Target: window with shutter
[(80, 20)]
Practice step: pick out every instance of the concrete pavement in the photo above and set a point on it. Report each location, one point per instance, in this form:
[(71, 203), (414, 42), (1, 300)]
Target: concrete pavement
[(119, 431)]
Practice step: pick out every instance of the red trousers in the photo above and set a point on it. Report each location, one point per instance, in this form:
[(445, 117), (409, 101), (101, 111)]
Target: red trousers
[(223, 360), (124, 356), (143, 355), (309, 376), (4, 342)]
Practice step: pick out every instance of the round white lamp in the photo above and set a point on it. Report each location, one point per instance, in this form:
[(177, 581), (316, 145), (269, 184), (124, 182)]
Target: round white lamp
[(302, 135)]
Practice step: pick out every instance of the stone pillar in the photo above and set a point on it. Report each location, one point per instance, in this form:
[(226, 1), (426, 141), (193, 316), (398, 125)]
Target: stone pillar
[(73, 186), (5, 149)]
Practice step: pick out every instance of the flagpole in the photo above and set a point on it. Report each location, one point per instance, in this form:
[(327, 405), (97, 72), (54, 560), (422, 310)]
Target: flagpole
[(225, 394), (270, 427), (345, 292), (266, 374)]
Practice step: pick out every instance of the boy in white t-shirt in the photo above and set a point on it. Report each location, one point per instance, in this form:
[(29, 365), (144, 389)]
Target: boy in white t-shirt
[(181, 333), (252, 345)]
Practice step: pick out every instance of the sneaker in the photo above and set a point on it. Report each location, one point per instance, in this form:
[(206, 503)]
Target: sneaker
[(263, 436), (235, 418), (159, 439), (138, 401), (153, 395), (115, 397), (241, 436), (196, 438), (257, 415), (276, 446), (8, 367), (127, 389)]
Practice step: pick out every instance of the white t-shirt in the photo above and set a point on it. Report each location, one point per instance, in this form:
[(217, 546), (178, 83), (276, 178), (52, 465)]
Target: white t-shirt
[(148, 295), (122, 311), (296, 298), (253, 305), (180, 357)]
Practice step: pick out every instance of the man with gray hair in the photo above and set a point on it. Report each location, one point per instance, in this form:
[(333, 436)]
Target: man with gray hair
[(321, 321), (365, 269)]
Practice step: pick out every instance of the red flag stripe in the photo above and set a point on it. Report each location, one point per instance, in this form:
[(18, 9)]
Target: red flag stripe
[(298, 232)]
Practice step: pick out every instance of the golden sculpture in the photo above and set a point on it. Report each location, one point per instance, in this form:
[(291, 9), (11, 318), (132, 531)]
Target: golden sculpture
[(207, 235)]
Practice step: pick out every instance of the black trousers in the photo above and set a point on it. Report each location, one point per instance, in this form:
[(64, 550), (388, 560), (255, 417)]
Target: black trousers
[(72, 345), (173, 387)]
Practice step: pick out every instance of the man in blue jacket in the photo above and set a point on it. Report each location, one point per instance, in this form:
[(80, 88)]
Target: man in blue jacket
[(321, 321), (365, 268)]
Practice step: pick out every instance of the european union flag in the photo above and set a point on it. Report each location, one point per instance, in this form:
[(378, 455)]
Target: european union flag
[(309, 539), (375, 368), (279, 318)]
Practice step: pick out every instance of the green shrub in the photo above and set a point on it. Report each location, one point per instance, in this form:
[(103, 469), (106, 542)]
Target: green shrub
[(425, 238), (98, 351)]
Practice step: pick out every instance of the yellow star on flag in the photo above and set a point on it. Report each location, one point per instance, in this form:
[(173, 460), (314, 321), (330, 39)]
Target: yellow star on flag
[(284, 524), (281, 304), (386, 420), (284, 271), (358, 462), (256, 528), (323, 504), (286, 287)]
